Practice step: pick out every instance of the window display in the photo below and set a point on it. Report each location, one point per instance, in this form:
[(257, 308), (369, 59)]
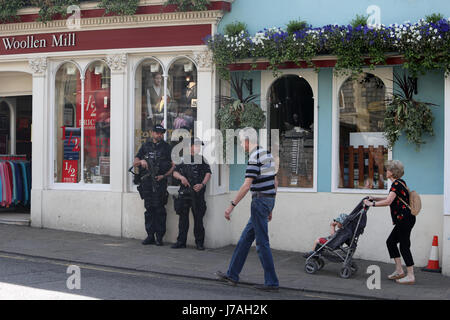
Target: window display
[(292, 112), (362, 146), (176, 110), (93, 119)]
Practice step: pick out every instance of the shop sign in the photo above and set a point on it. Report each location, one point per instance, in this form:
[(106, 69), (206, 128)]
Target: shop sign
[(32, 42)]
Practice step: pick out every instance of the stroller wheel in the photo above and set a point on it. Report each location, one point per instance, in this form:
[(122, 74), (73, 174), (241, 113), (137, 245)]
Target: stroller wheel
[(311, 267), (346, 272), (320, 263)]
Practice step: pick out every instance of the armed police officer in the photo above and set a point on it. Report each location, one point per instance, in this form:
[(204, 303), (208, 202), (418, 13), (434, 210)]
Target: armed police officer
[(154, 158), (194, 174)]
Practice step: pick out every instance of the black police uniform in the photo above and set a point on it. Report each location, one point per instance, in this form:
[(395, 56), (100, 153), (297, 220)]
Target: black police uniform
[(188, 198), (155, 201)]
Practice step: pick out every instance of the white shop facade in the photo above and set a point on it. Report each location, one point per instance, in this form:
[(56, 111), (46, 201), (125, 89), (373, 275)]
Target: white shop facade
[(93, 93)]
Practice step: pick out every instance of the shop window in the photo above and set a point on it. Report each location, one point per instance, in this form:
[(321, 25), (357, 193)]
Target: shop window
[(149, 100), (362, 146), (174, 107), (292, 113), (93, 120), (182, 106)]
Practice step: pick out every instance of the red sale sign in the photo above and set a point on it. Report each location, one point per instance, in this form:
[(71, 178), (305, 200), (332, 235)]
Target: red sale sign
[(70, 171)]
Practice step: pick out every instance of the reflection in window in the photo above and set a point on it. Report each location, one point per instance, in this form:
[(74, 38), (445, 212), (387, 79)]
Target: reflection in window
[(94, 120), (182, 81), (97, 112), (362, 147), (181, 99), (68, 133), (149, 102), (5, 129), (292, 112)]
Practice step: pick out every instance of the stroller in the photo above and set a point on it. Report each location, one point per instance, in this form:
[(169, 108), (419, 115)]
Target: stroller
[(342, 246)]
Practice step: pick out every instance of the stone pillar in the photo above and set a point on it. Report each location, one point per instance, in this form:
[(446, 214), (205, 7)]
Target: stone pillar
[(218, 231), (118, 133), (118, 152), (40, 123)]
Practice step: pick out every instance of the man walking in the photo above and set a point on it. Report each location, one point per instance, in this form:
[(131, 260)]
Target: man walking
[(260, 178), (153, 189)]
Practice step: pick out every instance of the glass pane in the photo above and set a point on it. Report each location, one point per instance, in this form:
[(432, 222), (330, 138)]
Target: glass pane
[(292, 112), (149, 100), (96, 127), (68, 134), (362, 146), (182, 103), (5, 142)]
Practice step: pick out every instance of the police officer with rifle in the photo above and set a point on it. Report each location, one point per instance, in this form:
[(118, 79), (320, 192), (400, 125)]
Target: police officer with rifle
[(155, 165), (193, 173)]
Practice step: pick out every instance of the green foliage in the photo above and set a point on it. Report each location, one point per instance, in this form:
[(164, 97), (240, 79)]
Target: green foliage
[(252, 116), (296, 25), (120, 7), (406, 115), (434, 17), (51, 8), (359, 20), (8, 11), (189, 5), (236, 28)]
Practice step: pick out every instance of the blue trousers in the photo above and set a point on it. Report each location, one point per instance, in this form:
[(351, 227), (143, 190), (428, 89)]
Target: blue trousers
[(257, 228)]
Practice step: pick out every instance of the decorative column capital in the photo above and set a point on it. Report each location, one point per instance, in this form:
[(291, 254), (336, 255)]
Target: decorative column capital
[(38, 65), (204, 60), (117, 62)]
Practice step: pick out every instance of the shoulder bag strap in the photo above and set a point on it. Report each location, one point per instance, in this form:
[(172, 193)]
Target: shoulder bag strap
[(406, 204)]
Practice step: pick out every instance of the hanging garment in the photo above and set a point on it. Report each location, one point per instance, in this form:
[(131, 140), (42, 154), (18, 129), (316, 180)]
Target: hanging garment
[(1, 184), (19, 182), (13, 180), (25, 183)]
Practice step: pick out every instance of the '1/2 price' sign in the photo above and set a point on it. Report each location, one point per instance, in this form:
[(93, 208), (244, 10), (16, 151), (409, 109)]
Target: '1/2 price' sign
[(70, 171)]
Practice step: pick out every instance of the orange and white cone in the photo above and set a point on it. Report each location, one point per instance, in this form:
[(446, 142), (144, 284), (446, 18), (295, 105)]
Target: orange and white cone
[(433, 262)]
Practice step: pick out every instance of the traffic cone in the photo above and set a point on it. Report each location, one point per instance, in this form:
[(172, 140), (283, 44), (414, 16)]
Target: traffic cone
[(433, 262)]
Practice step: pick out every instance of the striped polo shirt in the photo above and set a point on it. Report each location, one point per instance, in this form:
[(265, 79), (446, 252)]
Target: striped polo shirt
[(261, 168)]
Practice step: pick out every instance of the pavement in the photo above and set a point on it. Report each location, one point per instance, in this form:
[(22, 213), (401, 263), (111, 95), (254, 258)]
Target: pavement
[(130, 254)]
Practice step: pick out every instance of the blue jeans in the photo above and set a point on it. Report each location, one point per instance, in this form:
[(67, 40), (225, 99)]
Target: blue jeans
[(256, 229)]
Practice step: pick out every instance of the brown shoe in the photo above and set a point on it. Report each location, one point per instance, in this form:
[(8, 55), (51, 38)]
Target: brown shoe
[(224, 278)]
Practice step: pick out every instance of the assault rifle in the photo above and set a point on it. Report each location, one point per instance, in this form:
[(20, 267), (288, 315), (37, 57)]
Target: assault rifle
[(144, 174)]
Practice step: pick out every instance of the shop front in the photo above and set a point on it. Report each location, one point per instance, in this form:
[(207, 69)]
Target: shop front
[(95, 93)]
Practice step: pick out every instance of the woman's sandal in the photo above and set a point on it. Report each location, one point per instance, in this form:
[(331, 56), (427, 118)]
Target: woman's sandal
[(396, 276), (405, 281)]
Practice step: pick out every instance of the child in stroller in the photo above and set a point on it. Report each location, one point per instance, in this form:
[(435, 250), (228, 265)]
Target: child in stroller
[(341, 246), (337, 223)]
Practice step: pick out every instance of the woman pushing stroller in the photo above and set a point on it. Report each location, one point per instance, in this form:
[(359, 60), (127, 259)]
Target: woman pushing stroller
[(403, 220)]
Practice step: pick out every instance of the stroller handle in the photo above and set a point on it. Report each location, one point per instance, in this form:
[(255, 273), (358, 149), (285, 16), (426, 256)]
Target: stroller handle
[(364, 205)]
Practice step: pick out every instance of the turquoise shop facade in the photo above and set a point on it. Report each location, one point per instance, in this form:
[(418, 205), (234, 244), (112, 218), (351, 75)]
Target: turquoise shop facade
[(303, 214)]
